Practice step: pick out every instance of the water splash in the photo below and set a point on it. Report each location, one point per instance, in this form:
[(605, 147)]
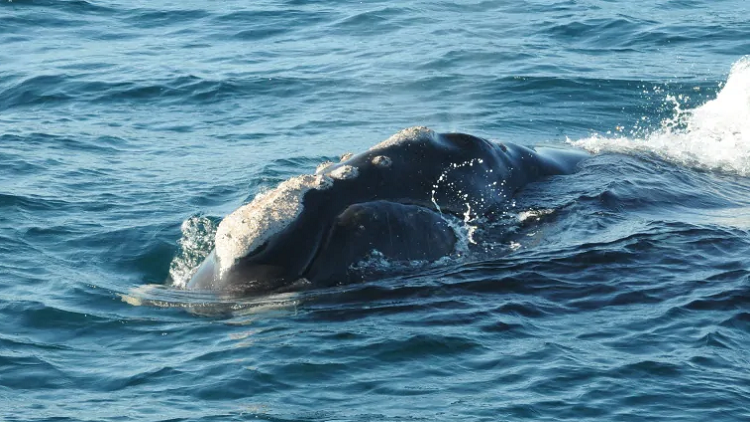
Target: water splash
[(465, 231), (713, 136), (533, 215), (209, 303), (443, 179), (376, 263), (470, 229), (196, 243)]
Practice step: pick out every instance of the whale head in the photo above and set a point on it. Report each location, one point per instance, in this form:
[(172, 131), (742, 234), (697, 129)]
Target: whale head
[(259, 246), (391, 198)]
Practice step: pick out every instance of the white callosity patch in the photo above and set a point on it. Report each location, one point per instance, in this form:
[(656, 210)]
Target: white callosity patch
[(412, 134), (346, 156), (715, 135), (382, 161), (251, 225), (322, 167), (344, 172)]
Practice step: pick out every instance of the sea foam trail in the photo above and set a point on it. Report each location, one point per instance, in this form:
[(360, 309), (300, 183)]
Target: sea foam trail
[(714, 136)]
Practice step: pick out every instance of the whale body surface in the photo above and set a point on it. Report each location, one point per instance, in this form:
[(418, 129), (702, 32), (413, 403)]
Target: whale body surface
[(391, 199)]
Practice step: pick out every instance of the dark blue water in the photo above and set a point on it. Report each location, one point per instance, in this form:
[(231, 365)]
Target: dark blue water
[(129, 128)]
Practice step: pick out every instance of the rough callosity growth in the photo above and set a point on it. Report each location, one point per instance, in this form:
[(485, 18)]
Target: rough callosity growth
[(415, 133), (322, 167), (346, 156), (251, 225), (344, 172), (382, 161)]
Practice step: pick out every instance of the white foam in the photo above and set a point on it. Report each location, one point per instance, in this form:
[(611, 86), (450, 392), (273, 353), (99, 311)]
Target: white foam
[(463, 231), (251, 225), (533, 215), (373, 260), (715, 135), (376, 261)]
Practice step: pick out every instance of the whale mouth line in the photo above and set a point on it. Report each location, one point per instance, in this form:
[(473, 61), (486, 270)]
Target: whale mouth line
[(330, 226), (255, 252)]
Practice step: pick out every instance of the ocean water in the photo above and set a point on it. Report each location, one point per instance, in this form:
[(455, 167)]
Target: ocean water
[(128, 129)]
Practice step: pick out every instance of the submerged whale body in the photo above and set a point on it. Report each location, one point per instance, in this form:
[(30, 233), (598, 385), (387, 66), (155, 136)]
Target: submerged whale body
[(390, 199)]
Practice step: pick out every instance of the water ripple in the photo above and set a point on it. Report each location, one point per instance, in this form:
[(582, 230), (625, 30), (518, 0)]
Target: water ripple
[(616, 293)]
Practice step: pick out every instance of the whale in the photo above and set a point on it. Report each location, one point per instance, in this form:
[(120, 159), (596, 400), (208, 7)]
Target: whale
[(393, 199)]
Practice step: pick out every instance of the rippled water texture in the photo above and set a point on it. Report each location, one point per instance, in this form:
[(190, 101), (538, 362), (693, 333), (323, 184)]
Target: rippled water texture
[(129, 129)]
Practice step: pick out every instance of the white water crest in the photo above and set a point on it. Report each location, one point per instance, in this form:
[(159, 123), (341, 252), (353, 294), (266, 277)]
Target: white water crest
[(713, 136)]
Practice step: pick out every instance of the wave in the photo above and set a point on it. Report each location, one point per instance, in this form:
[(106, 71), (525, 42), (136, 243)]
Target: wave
[(712, 136), (45, 90), (64, 5)]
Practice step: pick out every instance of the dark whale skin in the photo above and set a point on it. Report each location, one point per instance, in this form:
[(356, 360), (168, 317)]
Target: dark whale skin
[(391, 201)]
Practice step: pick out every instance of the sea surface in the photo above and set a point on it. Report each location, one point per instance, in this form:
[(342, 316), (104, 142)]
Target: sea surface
[(128, 129)]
